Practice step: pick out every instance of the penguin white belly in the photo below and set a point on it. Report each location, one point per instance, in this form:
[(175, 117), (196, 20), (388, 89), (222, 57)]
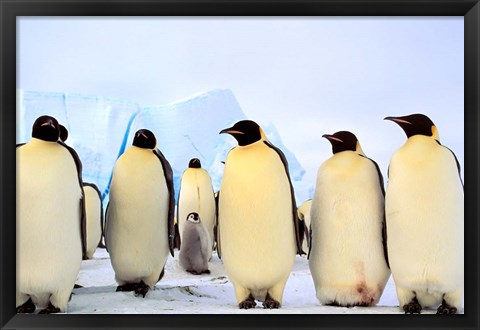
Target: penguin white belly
[(196, 195), (347, 261), (93, 209), (424, 209), (256, 225), (137, 227), (48, 245)]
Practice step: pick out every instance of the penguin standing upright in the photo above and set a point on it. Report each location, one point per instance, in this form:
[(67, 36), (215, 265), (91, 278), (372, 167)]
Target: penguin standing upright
[(424, 210), (50, 224), (94, 215), (196, 195), (348, 259), (139, 229), (257, 218), (303, 213), (196, 248)]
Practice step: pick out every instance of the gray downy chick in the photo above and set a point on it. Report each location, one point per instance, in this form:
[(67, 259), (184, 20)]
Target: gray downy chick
[(195, 248)]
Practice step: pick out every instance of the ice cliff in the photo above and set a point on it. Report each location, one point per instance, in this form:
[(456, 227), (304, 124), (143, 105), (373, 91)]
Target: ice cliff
[(100, 129)]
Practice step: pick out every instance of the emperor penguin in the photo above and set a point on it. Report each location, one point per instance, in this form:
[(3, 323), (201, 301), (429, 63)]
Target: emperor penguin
[(258, 226), (50, 222), (424, 210), (94, 214), (196, 195), (303, 213), (196, 248), (348, 259), (139, 229)]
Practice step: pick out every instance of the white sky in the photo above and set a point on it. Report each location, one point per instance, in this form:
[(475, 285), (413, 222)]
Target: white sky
[(309, 76)]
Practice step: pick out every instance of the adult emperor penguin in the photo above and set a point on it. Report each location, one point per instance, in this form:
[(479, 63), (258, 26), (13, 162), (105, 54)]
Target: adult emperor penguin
[(139, 229), (196, 195), (94, 214), (424, 209), (50, 225), (196, 246), (348, 259), (257, 218), (303, 213)]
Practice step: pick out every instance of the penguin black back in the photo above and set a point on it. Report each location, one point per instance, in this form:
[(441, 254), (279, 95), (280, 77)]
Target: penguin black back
[(46, 128)]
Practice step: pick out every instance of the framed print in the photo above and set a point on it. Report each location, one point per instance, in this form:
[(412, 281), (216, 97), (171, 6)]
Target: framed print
[(189, 70)]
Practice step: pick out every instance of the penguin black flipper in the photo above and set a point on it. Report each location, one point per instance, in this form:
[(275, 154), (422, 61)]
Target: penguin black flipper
[(106, 226), (456, 160), (83, 218), (168, 172), (178, 241), (217, 227), (292, 193), (19, 145), (94, 186), (384, 221)]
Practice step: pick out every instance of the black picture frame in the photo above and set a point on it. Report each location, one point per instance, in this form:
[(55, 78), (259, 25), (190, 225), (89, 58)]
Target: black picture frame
[(10, 9)]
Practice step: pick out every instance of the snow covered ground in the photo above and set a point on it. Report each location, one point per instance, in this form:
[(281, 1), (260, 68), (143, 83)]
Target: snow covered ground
[(182, 293)]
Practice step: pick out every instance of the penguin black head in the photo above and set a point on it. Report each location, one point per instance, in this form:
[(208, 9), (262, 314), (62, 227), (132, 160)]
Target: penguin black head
[(63, 133), (193, 217), (245, 132), (194, 163), (416, 124), (343, 141), (46, 128), (144, 139)]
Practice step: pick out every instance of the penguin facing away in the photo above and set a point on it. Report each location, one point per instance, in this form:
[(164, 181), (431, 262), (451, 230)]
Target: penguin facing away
[(50, 220), (347, 259), (196, 248), (303, 213), (258, 226), (139, 229), (94, 217), (425, 225), (196, 195)]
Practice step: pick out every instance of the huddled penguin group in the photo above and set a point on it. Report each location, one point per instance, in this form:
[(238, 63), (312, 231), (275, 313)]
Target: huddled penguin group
[(355, 232)]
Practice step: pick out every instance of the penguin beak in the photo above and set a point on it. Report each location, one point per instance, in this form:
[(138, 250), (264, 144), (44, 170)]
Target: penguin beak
[(398, 120), (331, 138), (230, 131)]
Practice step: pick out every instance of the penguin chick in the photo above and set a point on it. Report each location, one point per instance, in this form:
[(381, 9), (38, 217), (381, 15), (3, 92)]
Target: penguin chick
[(139, 229), (347, 260), (258, 226), (94, 217), (196, 249), (50, 222), (424, 211), (196, 195)]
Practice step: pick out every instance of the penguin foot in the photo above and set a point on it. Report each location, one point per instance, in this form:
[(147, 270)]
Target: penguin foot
[(248, 303), (413, 307), (270, 302), (50, 309), (446, 308), (141, 289), (28, 307), (127, 287)]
